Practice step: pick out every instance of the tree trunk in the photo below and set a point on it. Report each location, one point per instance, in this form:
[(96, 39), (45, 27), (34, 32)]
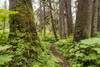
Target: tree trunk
[(53, 26), (61, 17), (40, 18), (22, 27), (94, 18), (83, 20), (69, 16), (98, 27), (4, 26), (64, 27), (44, 18)]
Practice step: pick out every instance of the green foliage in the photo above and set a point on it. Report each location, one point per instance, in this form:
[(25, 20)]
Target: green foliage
[(46, 59), (4, 47), (26, 51), (41, 57), (85, 54), (4, 15), (49, 37), (4, 58), (3, 37), (98, 34), (64, 45)]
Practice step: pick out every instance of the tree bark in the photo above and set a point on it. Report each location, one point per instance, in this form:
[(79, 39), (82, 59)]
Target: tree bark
[(69, 16), (98, 27), (83, 20), (23, 23), (44, 18), (53, 26), (94, 18), (40, 17), (61, 17)]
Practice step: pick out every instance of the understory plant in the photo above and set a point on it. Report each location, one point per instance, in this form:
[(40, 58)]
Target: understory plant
[(4, 56), (63, 46), (16, 55), (85, 53), (49, 37), (44, 57)]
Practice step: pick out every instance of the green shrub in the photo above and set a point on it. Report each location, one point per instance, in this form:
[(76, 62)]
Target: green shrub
[(44, 55), (63, 46), (20, 49), (98, 34), (45, 58), (4, 58), (49, 37), (85, 53)]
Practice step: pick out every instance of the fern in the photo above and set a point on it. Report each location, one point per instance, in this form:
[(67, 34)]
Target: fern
[(5, 58), (85, 54), (4, 47)]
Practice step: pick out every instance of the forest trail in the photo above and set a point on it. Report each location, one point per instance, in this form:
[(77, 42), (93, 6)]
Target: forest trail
[(56, 54)]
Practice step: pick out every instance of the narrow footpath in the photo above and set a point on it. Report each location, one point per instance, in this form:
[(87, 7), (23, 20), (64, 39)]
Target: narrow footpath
[(56, 54)]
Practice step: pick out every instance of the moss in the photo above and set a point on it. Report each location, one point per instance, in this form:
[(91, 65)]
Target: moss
[(23, 27), (80, 34)]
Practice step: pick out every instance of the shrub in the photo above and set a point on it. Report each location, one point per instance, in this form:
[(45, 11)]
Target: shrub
[(45, 58), (63, 46), (4, 58), (49, 37), (85, 53)]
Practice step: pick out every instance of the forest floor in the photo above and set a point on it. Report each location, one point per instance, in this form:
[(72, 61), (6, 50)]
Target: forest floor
[(56, 54)]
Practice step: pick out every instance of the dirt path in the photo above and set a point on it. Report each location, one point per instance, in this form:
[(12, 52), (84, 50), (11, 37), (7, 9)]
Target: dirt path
[(56, 54)]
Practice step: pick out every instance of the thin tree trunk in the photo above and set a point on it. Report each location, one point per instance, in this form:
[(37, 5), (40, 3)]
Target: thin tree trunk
[(40, 18), (53, 26), (94, 18), (64, 27), (98, 16), (44, 18), (83, 20), (4, 26)]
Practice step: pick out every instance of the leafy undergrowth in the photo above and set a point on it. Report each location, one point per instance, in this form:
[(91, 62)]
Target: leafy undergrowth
[(85, 53), (44, 58), (63, 46), (4, 57), (49, 37)]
